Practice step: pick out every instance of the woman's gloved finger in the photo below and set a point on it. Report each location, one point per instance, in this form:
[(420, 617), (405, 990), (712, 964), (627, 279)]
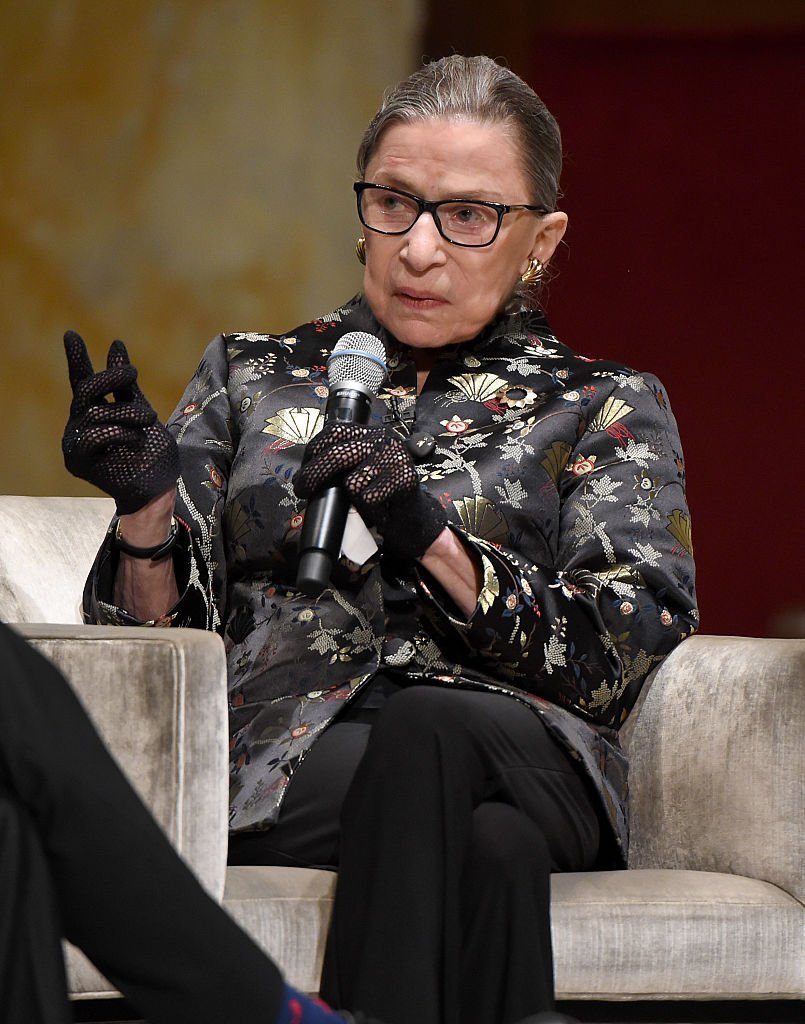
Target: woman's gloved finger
[(321, 467), (79, 365), (94, 389), (105, 436), (314, 476), (337, 449), (374, 486), (117, 355), (338, 440), (118, 359), (132, 414), (343, 453)]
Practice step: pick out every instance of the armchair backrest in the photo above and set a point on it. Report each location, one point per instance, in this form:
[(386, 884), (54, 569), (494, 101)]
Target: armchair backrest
[(717, 761), (47, 546)]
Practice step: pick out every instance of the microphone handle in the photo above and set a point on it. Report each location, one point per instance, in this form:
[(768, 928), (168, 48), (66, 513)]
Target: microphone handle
[(326, 513)]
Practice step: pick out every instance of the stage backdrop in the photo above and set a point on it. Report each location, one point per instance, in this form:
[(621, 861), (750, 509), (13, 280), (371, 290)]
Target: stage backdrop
[(684, 185), (170, 169)]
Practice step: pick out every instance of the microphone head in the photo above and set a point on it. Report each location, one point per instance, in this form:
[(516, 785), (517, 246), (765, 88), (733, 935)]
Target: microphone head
[(358, 356)]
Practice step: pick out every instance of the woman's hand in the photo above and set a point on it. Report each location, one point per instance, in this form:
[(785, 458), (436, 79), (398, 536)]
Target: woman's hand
[(118, 445), (374, 467)]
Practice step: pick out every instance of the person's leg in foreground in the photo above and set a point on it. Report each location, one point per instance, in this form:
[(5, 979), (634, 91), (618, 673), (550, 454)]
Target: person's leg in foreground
[(81, 857)]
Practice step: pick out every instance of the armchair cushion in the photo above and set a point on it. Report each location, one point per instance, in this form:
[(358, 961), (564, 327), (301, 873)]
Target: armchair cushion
[(287, 910), (676, 934)]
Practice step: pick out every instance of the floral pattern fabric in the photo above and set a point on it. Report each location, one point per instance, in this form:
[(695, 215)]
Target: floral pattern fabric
[(564, 474)]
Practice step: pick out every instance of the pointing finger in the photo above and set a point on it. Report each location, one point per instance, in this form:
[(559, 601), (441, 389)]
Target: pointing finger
[(79, 364)]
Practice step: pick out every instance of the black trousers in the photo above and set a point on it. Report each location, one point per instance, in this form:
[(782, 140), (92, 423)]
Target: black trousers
[(80, 856), (445, 812)]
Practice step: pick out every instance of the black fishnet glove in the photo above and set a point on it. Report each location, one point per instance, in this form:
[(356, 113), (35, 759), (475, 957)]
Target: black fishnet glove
[(119, 446), (378, 473)]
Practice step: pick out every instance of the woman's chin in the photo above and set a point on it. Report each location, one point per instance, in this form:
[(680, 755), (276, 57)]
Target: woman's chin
[(423, 331)]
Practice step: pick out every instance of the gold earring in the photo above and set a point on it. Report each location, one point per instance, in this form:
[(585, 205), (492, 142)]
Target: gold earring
[(360, 250), (534, 272)]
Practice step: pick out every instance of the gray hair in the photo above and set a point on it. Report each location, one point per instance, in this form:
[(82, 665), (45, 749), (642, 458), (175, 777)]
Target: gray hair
[(477, 89)]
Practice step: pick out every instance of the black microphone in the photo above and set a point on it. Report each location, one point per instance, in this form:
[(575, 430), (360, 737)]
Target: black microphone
[(355, 370)]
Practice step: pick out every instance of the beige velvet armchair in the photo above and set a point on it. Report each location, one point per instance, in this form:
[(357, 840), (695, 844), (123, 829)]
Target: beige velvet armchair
[(711, 908)]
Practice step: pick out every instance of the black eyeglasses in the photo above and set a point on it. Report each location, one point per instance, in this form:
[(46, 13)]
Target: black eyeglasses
[(470, 222)]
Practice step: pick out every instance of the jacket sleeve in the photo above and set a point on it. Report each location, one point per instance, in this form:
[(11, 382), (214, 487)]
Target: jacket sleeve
[(585, 631), (202, 426)]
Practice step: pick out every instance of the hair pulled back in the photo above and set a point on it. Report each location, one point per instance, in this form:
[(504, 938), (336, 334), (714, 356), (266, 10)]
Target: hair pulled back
[(476, 89)]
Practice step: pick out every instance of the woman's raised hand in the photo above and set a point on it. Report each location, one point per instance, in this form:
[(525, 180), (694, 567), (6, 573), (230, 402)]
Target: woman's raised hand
[(116, 443)]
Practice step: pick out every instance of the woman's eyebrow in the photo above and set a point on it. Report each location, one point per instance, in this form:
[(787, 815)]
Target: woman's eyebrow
[(469, 195)]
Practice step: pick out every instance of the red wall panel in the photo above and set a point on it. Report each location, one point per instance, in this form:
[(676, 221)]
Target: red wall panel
[(683, 180)]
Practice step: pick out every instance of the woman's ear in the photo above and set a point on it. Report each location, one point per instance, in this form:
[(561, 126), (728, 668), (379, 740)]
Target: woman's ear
[(551, 230)]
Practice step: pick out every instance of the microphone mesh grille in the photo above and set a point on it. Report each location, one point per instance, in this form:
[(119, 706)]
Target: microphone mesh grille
[(348, 361)]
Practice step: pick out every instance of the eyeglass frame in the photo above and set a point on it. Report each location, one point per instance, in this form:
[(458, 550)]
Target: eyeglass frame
[(431, 207)]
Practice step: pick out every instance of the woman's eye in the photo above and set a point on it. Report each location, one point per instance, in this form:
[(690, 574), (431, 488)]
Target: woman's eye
[(468, 215)]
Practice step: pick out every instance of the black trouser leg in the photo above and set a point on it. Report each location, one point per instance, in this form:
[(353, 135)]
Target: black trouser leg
[(32, 982), (123, 895), (506, 956), (416, 901)]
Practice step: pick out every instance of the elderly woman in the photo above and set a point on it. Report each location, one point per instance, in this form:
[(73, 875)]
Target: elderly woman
[(440, 722)]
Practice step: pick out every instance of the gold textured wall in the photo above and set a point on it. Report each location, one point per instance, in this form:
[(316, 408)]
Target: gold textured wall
[(169, 169)]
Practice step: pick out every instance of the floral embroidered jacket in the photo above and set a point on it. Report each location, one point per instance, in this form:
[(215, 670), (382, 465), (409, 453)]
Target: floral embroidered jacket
[(564, 474)]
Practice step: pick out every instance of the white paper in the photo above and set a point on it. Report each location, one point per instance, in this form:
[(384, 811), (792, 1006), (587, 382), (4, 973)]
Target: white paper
[(358, 544)]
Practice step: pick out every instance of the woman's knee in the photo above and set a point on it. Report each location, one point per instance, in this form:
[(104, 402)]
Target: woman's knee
[(420, 734), (423, 711), (507, 844)]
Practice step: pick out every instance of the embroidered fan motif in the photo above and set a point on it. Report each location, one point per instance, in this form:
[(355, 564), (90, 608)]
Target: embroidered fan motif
[(556, 459), (679, 528), (613, 410), (295, 425), (478, 387), (482, 519)]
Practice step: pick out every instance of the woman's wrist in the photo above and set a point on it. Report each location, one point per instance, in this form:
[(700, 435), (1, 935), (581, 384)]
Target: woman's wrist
[(147, 589), (455, 568), (151, 524)]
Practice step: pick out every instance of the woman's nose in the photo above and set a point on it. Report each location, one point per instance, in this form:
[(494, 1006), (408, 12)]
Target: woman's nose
[(423, 246)]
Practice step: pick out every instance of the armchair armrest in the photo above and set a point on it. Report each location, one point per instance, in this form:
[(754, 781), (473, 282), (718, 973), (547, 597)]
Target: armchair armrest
[(158, 699), (718, 761)]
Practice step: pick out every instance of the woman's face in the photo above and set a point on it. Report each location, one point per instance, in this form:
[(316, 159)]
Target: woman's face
[(425, 291)]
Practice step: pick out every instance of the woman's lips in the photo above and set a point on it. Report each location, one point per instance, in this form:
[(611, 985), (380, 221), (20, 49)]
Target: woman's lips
[(417, 299)]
